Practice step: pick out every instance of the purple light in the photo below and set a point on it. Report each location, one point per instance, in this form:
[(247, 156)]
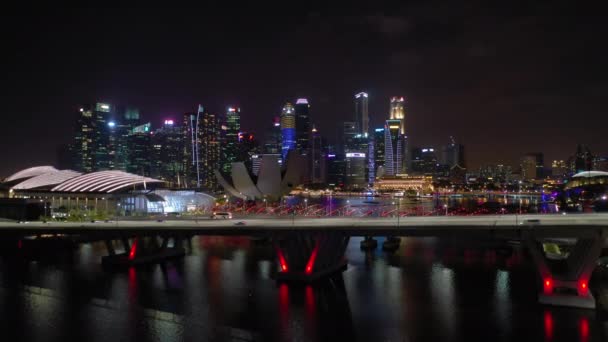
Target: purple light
[(302, 101), (169, 122)]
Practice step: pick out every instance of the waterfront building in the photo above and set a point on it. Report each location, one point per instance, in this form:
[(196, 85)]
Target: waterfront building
[(362, 112)]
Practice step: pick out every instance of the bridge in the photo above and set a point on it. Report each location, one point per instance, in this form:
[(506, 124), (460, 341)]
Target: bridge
[(309, 248)]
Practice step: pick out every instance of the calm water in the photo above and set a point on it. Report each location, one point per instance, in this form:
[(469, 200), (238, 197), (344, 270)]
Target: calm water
[(429, 290)]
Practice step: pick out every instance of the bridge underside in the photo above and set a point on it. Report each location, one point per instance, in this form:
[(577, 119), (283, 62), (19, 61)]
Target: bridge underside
[(565, 282), (309, 256)]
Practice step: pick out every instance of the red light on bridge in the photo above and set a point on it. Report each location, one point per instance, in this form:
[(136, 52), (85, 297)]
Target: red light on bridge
[(582, 287), (548, 286), (133, 249), (282, 260), (311, 261)]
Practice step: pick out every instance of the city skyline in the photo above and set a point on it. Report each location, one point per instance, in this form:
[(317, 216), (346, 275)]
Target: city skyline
[(476, 84)]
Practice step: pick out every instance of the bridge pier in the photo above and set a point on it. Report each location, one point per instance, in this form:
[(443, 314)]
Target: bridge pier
[(308, 256), (567, 285), (143, 249)]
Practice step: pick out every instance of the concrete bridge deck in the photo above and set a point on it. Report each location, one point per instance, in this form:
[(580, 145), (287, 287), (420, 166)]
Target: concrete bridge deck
[(510, 226)]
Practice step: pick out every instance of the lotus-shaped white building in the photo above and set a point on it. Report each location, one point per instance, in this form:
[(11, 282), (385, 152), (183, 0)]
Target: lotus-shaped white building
[(270, 181)]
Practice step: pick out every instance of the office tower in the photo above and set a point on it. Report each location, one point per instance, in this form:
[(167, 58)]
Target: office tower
[(139, 142), (397, 112), (453, 154), (319, 166), (582, 160), (209, 149), (288, 129), (190, 171), (362, 112), (336, 170), (167, 149), (532, 165), (559, 168), (349, 133), (302, 125), (600, 164), (230, 129), (393, 148), (424, 160), (356, 170), (273, 138), (376, 153), (82, 147)]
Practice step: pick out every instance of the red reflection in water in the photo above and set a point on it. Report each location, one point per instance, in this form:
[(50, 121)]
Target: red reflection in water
[(284, 305), (310, 301), (132, 285), (548, 326), (133, 250), (19, 244), (584, 329)]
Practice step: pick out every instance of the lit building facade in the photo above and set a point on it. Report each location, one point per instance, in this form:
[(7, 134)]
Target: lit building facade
[(393, 148), (209, 149), (230, 129), (398, 111), (302, 108), (288, 129), (273, 138), (362, 112), (532, 166)]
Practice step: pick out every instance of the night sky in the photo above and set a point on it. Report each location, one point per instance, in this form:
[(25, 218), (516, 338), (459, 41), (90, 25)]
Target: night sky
[(502, 81)]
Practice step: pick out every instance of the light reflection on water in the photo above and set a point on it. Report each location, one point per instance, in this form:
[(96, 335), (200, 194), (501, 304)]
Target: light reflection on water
[(430, 289)]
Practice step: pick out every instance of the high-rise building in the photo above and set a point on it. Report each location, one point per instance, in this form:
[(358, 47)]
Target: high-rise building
[(377, 151), (361, 112), (532, 166), (356, 175), (82, 148), (273, 138), (209, 149), (230, 129), (302, 125), (319, 166), (582, 160), (167, 149), (393, 148), (190, 155), (424, 160), (559, 168), (349, 131), (288, 129), (398, 111), (336, 170), (453, 154), (139, 143)]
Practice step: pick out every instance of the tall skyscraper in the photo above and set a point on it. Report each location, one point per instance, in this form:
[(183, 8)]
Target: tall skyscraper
[(273, 138), (319, 166), (532, 166), (288, 129), (209, 149), (397, 111), (349, 131), (377, 151), (361, 112), (302, 125), (393, 148), (92, 149), (139, 143), (190, 150), (82, 148), (453, 154), (230, 138), (167, 148)]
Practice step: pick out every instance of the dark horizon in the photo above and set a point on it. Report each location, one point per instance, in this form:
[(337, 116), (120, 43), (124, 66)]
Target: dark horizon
[(502, 84)]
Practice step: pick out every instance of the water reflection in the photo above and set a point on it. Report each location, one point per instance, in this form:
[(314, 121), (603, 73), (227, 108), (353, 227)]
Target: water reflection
[(429, 289)]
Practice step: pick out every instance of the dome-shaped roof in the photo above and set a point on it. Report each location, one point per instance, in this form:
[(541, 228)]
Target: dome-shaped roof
[(31, 172), (46, 179), (589, 174), (103, 181)]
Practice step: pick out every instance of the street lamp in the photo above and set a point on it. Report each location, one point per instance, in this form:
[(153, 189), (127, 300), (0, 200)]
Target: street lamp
[(347, 207), (445, 206)]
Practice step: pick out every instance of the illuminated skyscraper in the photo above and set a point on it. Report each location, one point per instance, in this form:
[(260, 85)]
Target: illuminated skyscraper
[(230, 129), (273, 139), (318, 162), (209, 149), (139, 143), (361, 112), (302, 125), (288, 129), (393, 148), (398, 112), (167, 149), (376, 151)]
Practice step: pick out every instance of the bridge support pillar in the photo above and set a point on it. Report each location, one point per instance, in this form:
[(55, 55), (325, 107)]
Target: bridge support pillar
[(566, 282), (308, 256), (142, 250)]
